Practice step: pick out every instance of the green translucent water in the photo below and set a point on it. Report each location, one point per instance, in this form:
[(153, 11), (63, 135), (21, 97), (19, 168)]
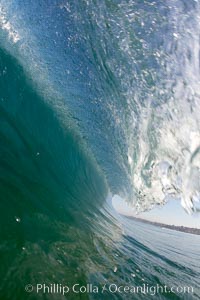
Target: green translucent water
[(88, 92)]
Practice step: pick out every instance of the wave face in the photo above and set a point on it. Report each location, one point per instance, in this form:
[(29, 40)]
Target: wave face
[(128, 73), (96, 97)]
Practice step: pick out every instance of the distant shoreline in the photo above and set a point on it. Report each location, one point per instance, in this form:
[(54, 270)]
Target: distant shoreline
[(195, 231)]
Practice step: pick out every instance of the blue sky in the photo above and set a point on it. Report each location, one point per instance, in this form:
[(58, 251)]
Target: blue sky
[(171, 213)]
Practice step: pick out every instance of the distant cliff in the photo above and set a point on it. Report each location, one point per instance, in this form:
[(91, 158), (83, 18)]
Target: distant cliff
[(173, 227)]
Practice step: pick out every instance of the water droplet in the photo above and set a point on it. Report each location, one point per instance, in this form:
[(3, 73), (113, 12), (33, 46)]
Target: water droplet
[(130, 160), (175, 35)]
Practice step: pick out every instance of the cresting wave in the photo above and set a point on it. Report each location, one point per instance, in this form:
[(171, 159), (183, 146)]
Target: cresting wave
[(97, 98), (128, 74)]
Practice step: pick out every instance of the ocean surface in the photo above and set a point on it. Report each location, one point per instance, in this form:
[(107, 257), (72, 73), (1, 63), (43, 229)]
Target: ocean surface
[(97, 98)]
